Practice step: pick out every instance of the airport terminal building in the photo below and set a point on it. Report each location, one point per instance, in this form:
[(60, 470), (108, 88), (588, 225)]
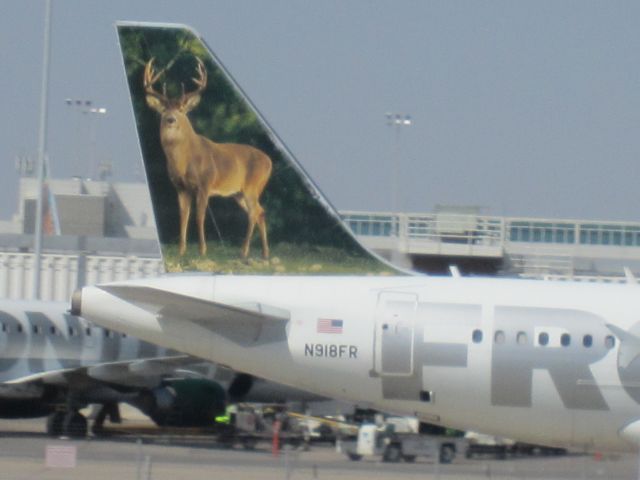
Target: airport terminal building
[(104, 231)]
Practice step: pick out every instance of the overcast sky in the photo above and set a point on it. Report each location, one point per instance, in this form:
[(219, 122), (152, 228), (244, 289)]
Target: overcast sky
[(523, 108)]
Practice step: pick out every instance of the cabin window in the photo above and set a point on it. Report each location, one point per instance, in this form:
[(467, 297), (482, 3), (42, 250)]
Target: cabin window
[(107, 333), (19, 328), (587, 341), (565, 339), (72, 332), (4, 327), (87, 331), (521, 338), (543, 339), (124, 335), (609, 341), (52, 330), (477, 336), (499, 337), (37, 329)]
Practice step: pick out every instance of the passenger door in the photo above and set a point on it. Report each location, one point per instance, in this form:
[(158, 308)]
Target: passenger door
[(394, 333)]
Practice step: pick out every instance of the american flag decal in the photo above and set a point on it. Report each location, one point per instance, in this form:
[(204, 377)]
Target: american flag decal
[(328, 325)]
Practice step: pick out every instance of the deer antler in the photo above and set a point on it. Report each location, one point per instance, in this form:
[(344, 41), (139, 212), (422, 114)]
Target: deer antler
[(200, 81), (151, 77)]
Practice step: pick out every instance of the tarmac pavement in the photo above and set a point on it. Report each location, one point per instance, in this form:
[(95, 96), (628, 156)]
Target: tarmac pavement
[(23, 446)]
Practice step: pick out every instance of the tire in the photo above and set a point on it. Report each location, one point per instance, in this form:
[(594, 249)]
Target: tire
[(98, 430), (392, 454), (249, 443), (447, 453), (354, 457), (74, 425), (225, 441), (409, 458), (54, 424), (295, 442), (501, 453)]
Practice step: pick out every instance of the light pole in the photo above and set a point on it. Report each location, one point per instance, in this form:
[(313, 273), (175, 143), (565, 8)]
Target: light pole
[(42, 152), (93, 162), (85, 108), (77, 105), (396, 121)]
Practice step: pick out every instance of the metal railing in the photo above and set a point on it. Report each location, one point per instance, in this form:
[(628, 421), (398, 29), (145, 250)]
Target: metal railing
[(61, 274), (436, 227), (492, 230)]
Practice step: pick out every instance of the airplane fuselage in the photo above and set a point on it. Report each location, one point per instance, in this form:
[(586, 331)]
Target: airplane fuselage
[(531, 360), (37, 337)]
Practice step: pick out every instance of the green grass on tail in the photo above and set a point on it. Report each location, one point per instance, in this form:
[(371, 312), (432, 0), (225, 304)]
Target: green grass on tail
[(286, 259)]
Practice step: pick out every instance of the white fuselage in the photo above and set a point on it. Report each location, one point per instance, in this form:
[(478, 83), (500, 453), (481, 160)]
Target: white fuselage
[(38, 337), (531, 360)]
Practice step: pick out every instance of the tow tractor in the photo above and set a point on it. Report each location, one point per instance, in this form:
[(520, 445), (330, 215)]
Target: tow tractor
[(385, 442)]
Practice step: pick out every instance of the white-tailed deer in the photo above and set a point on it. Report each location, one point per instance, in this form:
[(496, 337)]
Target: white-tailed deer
[(200, 168)]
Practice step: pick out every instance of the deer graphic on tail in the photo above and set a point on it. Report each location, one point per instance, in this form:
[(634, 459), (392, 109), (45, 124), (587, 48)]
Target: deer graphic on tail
[(200, 168)]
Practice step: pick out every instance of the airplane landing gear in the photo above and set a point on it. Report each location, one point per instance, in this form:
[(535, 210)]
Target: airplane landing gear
[(54, 423), (74, 425), (67, 423), (110, 410)]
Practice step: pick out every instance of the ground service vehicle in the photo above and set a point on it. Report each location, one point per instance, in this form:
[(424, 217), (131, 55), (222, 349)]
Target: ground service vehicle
[(384, 442)]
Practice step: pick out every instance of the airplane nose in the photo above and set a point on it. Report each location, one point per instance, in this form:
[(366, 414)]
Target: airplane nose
[(76, 302)]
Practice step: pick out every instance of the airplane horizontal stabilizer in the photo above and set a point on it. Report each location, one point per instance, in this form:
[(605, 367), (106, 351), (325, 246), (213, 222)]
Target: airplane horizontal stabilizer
[(242, 324)]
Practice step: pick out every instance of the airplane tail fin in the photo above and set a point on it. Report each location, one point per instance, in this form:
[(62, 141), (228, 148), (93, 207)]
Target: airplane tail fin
[(228, 196)]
